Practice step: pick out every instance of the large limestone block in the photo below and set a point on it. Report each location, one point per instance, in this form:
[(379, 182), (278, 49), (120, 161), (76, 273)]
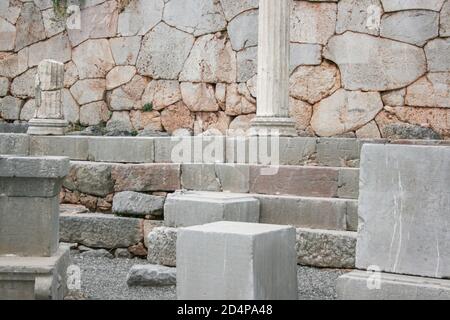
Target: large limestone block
[(8, 32), (195, 17), (76, 148), (23, 86), (163, 52), (137, 204), (93, 58), (90, 178), (17, 144), (356, 15), (345, 111), (211, 60), (374, 64), (312, 22), (193, 208), (398, 5), (30, 26), (444, 30), (110, 149), (10, 107), (231, 260), (362, 285), (125, 50), (232, 8), (414, 27), (56, 48), (243, 30), (139, 17), (11, 65), (88, 90), (430, 91), (199, 96), (100, 230), (438, 55), (161, 246), (404, 210)]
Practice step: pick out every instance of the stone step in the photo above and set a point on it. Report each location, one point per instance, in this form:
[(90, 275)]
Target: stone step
[(314, 247), (198, 207), (101, 179)]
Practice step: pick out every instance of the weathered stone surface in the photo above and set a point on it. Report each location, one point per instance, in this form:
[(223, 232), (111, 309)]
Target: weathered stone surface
[(305, 54), (98, 230), (88, 90), (119, 76), (162, 93), (8, 32), (240, 125), (10, 108), (93, 58), (53, 23), (192, 16), (263, 255), (243, 30), (247, 64), (110, 149), (56, 48), (146, 177), (408, 131), (444, 27), (232, 8), (438, 56), (76, 148), (163, 53), (28, 110), (30, 27), (70, 108), (119, 122), (211, 60), (94, 113), (11, 65), (199, 96), (394, 98), (70, 74), (369, 131), (354, 286), (415, 26), (184, 209), (312, 84), (90, 178), (213, 123), (239, 100), (97, 253), (404, 210), (125, 50), (397, 5), (301, 112), (326, 248), (146, 120), (432, 90), (162, 243), (137, 204), (310, 181), (354, 15), (345, 111), (177, 116), (394, 65), (305, 212), (151, 275), (14, 144), (139, 17), (4, 86), (312, 22), (98, 21), (128, 96), (23, 86), (11, 13)]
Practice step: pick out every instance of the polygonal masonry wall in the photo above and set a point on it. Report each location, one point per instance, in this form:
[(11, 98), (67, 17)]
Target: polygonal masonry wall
[(121, 70)]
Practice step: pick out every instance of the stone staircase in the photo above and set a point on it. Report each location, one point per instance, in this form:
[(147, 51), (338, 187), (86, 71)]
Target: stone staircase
[(315, 189)]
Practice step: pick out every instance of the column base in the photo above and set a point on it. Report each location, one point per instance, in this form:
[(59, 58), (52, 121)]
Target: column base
[(273, 126), (34, 278), (362, 285), (45, 127)]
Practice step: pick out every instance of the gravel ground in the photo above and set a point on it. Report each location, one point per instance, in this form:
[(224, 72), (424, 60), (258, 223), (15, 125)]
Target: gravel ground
[(105, 279)]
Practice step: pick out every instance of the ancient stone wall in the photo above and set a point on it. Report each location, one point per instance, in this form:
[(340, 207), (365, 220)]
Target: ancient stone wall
[(368, 68)]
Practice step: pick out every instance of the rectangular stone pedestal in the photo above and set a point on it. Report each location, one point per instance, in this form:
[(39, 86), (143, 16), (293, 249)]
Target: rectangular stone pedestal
[(363, 285), (34, 278), (236, 261), (184, 209)]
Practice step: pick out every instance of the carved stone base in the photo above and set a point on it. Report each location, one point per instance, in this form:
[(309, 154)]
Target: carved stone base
[(34, 278), (270, 126), (45, 127)]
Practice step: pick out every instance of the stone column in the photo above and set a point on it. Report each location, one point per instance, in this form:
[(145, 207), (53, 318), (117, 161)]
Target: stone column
[(49, 117), (273, 69)]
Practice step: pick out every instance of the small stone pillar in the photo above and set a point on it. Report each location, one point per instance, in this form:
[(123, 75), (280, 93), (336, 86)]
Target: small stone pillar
[(403, 246), (236, 261), (32, 263), (49, 116), (272, 113)]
